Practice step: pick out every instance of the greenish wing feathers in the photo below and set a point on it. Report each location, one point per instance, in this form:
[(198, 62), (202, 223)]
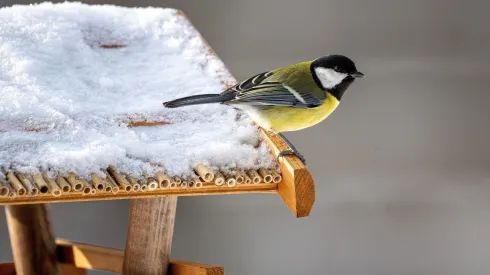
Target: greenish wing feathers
[(275, 93), (262, 89)]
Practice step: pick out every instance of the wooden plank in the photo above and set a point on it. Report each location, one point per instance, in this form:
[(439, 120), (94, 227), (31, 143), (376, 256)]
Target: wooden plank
[(206, 189), (188, 268), (89, 256), (92, 257), (297, 188), (66, 269), (149, 237), (72, 270), (146, 123), (32, 240), (7, 269)]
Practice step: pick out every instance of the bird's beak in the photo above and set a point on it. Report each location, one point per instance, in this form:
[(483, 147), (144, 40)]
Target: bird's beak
[(357, 75)]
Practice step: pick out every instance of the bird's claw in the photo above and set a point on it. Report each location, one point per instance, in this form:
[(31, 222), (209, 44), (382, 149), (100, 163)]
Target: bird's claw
[(290, 152)]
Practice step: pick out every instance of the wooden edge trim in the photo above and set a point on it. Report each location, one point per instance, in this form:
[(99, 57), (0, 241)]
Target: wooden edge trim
[(95, 257), (297, 187), (206, 189)]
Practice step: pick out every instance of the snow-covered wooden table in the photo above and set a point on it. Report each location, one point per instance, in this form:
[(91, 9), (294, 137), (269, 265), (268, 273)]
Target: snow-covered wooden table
[(82, 120)]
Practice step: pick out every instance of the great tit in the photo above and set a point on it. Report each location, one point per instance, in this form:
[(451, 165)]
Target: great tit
[(287, 99)]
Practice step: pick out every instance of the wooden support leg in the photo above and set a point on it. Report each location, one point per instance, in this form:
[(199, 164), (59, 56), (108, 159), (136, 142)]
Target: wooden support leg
[(149, 237), (33, 244)]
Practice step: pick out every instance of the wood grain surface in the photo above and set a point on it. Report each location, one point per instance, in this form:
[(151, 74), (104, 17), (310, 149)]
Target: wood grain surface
[(149, 237), (32, 241)]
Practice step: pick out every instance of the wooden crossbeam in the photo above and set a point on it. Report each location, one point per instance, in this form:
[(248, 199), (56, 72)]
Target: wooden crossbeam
[(75, 258), (65, 269), (94, 257)]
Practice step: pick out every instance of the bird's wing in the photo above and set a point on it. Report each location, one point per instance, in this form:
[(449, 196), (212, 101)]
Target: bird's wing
[(250, 82), (259, 90)]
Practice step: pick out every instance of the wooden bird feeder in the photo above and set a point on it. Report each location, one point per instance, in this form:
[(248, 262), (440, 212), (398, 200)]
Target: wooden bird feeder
[(152, 211)]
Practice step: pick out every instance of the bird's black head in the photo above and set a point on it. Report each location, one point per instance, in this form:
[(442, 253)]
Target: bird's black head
[(334, 73)]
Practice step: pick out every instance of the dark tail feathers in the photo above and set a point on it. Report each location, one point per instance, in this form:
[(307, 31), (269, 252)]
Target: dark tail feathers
[(196, 99)]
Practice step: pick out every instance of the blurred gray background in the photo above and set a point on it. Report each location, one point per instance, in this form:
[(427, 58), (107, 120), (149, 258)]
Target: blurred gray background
[(402, 168)]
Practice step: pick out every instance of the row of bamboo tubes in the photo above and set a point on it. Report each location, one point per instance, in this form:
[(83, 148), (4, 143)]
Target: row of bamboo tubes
[(21, 184)]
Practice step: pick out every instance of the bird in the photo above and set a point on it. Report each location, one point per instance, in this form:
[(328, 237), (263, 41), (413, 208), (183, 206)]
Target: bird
[(286, 99)]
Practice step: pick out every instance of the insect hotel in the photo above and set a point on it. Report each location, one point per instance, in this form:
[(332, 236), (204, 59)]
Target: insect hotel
[(81, 119)]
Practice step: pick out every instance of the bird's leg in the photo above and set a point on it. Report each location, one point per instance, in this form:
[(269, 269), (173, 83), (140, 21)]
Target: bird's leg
[(293, 150)]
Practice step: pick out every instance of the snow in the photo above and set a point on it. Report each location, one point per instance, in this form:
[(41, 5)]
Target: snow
[(56, 79)]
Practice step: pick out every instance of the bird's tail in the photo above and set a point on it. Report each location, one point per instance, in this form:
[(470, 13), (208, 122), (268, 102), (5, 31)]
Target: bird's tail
[(196, 99)]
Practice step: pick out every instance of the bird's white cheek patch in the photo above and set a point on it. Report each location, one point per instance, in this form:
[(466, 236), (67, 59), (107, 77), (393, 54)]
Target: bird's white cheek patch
[(328, 77)]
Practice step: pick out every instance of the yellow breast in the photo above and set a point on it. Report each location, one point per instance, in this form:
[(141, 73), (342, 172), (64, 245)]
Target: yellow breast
[(284, 119)]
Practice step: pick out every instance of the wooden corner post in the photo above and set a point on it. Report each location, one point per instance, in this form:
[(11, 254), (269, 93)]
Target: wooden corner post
[(297, 188), (149, 237), (33, 243)]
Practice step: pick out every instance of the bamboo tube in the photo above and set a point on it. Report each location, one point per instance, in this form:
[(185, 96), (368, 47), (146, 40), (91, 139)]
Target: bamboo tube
[(276, 177), (12, 193), (151, 181), (177, 180), (75, 184), (40, 183), (219, 179), (184, 184), (205, 173), (109, 180), (4, 189), (97, 182), (109, 187), (16, 184), (134, 183), (163, 180), (63, 184), (87, 188), (54, 189), (256, 178), (143, 185), (152, 185), (120, 180), (197, 183), (114, 187), (31, 189), (247, 179), (239, 176), (191, 182), (230, 180), (266, 175)]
